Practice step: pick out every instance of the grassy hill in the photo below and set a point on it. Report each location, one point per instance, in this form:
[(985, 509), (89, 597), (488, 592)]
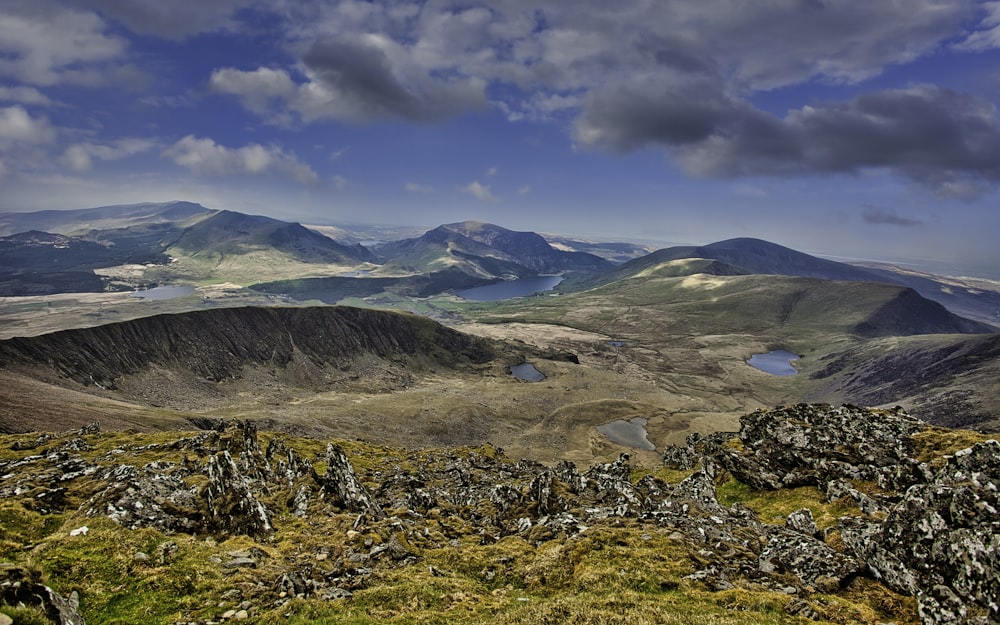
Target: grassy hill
[(691, 334)]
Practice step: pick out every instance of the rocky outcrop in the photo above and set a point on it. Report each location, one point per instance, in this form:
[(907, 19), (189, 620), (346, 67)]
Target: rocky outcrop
[(341, 483), (929, 531), (941, 541), (812, 445), (932, 534)]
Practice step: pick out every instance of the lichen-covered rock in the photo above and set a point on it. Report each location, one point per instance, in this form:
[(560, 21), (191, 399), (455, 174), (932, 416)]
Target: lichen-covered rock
[(811, 445), (942, 541), (802, 521), (806, 558), (19, 587), (342, 483), (231, 504), (153, 496), (929, 534)]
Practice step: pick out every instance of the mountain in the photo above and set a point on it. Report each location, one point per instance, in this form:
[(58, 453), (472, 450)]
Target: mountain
[(752, 256), (204, 357), (528, 248), (976, 299), (486, 250), (688, 326), (228, 233), (755, 256), (100, 218), (177, 241), (948, 380)]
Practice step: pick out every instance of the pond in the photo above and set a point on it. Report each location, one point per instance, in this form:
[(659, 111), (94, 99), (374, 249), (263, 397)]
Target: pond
[(775, 362), (526, 372), (508, 289), (163, 292), (631, 433)]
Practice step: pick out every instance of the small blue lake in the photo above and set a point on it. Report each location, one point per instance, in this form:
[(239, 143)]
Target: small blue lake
[(164, 292), (507, 289), (775, 362), (526, 372)]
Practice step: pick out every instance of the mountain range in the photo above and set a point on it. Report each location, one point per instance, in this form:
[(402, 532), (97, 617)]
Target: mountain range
[(188, 242), (683, 316), (390, 465)]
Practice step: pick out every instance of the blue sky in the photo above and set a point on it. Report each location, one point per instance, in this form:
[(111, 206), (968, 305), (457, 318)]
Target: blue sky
[(853, 129)]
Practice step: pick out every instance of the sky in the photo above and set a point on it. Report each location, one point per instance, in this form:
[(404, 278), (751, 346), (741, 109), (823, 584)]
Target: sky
[(853, 129)]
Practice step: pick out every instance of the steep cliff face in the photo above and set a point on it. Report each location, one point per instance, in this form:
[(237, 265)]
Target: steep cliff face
[(217, 344)]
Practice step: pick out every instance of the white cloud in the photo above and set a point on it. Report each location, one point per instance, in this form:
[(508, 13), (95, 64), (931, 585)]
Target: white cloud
[(339, 183), (988, 36), (257, 89), (525, 190), (492, 171), (17, 126), (479, 191), (413, 187), (205, 156), (24, 95), (80, 156), (42, 43)]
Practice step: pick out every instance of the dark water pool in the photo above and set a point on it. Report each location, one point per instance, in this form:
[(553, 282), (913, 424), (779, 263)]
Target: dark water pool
[(526, 372), (775, 362)]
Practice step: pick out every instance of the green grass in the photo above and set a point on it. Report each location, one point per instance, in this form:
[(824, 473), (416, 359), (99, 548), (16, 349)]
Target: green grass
[(775, 506)]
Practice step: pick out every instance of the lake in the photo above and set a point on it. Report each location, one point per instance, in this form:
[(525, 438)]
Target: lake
[(631, 433), (164, 292), (526, 372), (775, 362), (507, 289)]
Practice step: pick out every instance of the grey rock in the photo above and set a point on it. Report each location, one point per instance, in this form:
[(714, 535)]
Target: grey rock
[(342, 483), (802, 521), (804, 557), (19, 587)]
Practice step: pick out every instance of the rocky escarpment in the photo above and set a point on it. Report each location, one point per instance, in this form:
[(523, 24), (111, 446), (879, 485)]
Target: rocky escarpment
[(924, 529), (218, 344)]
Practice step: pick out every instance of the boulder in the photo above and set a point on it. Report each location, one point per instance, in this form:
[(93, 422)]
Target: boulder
[(18, 586)]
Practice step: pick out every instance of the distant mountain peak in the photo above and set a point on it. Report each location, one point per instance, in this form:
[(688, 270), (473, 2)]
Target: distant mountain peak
[(489, 249)]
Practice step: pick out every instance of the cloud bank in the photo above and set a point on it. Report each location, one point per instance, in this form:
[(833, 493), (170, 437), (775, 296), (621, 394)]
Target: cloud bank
[(206, 157)]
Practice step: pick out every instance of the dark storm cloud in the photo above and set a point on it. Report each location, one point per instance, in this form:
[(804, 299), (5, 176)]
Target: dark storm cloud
[(887, 216), (945, 141), (362, 76)]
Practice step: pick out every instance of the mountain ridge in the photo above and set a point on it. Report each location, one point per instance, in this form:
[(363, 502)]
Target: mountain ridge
[(757, 256), (486, 249)]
